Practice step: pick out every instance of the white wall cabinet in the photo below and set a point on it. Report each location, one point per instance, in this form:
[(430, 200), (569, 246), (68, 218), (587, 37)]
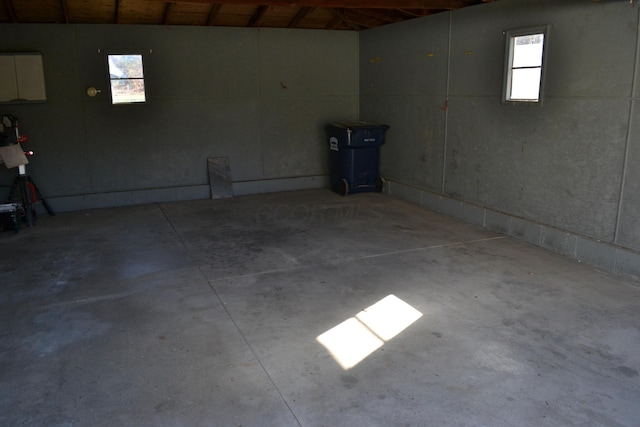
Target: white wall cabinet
[(21, 78)]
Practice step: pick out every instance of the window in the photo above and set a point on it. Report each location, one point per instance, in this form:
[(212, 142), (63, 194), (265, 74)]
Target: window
[(127, 79), (524, 65)]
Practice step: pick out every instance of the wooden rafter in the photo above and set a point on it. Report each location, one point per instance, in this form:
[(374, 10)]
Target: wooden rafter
[(213, 13), (341, 4), (304, 11), (255, 19), (333, 24), (167, 10), (385, 17), (329, 14), (65, 11), (8, 4), (359, 19), (116, 11), (344, 19), (415, 13)]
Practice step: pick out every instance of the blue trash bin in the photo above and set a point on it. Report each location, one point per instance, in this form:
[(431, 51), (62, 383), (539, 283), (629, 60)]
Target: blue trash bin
[(354, 157)]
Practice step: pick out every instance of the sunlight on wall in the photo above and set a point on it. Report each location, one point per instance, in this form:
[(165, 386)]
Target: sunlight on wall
[(353, 340)]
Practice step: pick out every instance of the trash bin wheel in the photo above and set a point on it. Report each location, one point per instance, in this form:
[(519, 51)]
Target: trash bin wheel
[(379, 185), (343, 187)]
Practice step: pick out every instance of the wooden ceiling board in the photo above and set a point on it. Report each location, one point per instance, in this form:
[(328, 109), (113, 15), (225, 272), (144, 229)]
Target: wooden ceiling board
[(187, 14), (277, 17), (90, 11), (283, 13), (361, 19), (318, 18), (44, 11), (370, 4), (234, 15), (384, 16), (144, 13), (150, 16), (351, 15)]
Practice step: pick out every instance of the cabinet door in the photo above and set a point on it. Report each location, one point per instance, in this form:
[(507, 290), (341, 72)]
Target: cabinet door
[(30, 77), (21, 78), (8, 80)]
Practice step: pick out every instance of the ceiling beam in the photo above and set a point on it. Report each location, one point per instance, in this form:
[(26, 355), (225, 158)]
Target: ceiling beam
[(343, 18), (416, 13), (116, 11), (213, 13), (304, 11), (8, 4), (363, 21), (65, 11), (333, 24), (380, 16), (342, 4), (255, 19), (167, 10)]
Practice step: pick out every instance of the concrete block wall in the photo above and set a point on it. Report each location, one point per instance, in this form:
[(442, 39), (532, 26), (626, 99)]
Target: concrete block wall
[(591, 251), (564, 175), (260, 97)]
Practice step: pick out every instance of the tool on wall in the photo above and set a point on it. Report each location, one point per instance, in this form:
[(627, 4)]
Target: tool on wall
[(23, 190)]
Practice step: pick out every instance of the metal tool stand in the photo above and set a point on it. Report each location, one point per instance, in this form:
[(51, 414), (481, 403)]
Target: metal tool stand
[(24, 190), (24, 186)]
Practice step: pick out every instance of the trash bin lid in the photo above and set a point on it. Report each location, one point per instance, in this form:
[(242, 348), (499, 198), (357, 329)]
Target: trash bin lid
[(349, 124)]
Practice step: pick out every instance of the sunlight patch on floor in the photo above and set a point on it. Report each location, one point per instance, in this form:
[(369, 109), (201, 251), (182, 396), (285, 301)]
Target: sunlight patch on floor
[(356, 338)]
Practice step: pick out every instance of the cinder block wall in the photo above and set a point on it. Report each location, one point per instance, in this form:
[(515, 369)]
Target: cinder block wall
[(564, 176), (260, 97)]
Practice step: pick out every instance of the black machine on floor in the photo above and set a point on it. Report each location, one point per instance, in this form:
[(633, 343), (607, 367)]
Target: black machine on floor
[(24, 193)]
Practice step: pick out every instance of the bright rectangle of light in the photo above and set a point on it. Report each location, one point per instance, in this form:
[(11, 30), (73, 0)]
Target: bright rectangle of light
[(350, 342), (388, 317), (356, 338)]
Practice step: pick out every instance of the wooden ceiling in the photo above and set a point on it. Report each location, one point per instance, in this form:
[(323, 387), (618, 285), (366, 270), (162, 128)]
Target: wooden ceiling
[(352, 15)]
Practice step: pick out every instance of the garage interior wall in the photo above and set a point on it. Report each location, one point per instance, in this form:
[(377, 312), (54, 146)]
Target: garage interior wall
[(564, 175), (260, 97)]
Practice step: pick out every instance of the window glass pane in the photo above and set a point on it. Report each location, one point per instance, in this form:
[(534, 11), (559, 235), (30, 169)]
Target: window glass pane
[(525, 84), (124, 91), (127, 79), (125, 66), (527, 50)]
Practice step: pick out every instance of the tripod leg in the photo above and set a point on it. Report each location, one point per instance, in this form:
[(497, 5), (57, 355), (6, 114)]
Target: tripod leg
[(26, 201), (14, 188), (20, 193), (48, 208), (41, 198)]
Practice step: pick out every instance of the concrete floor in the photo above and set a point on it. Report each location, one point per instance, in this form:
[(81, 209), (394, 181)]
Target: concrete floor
[(282, 310)]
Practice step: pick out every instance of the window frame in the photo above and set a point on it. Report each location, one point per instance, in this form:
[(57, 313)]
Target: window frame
[(140, 53), (510, 36)]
